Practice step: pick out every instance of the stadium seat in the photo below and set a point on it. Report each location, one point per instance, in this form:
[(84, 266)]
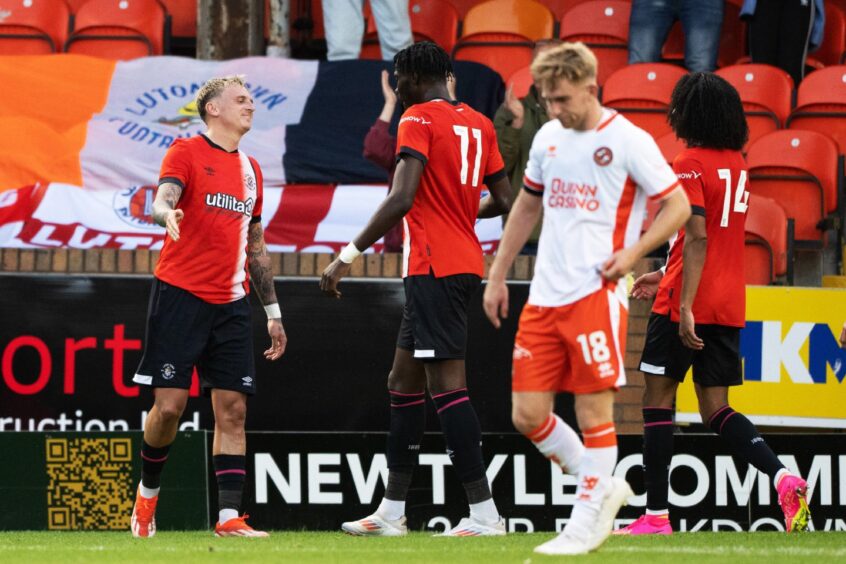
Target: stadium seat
[(732, 38), (75, 5), (766, 93), (463, 6), (642, 92), (833, 47), (183, 17), (797, 169), (603, 25), (34, 27), (521, 81), (768, 253), (821, 104), (119, 29), (501, 34), (431, 20), (670, 146)]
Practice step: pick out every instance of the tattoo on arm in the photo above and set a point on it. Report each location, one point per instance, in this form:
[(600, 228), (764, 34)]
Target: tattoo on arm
[(167, 196), (258, 260)]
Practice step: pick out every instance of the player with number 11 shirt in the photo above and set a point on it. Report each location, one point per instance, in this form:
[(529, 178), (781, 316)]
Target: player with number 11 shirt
[(446, 151)]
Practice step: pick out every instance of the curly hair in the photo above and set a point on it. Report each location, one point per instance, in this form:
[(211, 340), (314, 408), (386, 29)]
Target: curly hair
[(426, 60), (706, 111), (212, 89)]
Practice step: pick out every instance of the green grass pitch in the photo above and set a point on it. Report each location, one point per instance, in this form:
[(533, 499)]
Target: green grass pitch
[(186, 547)]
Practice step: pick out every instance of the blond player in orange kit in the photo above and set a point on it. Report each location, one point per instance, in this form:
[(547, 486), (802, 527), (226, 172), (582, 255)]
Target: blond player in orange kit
[(210, 201), (591, 171)]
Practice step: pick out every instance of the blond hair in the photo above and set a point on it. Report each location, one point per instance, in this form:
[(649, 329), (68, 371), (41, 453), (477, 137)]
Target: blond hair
[(212, 89), (573, 62)]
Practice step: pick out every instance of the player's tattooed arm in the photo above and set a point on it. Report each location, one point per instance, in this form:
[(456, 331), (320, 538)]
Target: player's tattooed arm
[(258, 261), (164, 208)]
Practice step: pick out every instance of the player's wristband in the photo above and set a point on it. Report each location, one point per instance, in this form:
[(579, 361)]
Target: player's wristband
[(349, 253), (273, 311)]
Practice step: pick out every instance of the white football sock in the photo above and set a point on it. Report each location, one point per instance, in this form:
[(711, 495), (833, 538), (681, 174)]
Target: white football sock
[(148, 492), (558, 442), (485, 511), (391, 509), (225, 515)]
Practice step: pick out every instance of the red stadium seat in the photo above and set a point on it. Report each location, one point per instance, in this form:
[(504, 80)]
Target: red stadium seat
[(821, 104), (521, 81), (670, 146), (642, 92), (119, 29), (768, 252), (797, 169), (732, 38), (75, 5), (501, 34), (183, 17), (463, 6), (431, 20), (561, 7), (833, 47), (34, 27), (603, 25), (766, 93)]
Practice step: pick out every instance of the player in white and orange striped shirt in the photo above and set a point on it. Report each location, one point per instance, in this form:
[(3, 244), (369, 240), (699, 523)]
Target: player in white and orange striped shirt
[(591, 170)]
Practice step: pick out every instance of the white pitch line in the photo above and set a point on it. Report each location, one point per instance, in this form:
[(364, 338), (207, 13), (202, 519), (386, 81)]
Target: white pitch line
[(722, 551)]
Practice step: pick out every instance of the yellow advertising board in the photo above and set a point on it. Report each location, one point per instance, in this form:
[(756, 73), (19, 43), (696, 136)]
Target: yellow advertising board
[(794, 371)]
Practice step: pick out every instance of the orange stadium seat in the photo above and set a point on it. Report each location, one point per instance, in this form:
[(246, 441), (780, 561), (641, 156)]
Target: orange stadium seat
[(833, 48), (521, 81), (603, 25), (463, 6), (183, 17), (34, 27), (797, 169), (75, 5), (821, 104), (501, 34), (561, 7), (768, 252), (732, 38), (431, 20), (119, 29), (766, 93), (642, 92)]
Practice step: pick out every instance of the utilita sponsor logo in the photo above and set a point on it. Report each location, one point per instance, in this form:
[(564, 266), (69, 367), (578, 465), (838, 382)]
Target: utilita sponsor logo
[(231, 203)]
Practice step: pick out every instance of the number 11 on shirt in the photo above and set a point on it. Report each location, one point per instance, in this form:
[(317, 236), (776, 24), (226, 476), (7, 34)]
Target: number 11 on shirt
[(462, 132)]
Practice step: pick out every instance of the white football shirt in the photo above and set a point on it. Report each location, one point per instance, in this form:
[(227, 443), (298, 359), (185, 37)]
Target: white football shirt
[(594, 186)]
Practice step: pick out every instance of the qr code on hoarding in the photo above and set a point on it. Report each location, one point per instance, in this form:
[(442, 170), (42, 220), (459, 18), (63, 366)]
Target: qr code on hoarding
[(90, 483)]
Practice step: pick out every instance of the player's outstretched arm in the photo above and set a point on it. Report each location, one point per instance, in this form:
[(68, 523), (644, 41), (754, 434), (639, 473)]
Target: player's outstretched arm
[(521, 221), (390, 211), (498, 202), (164, 208), (261, 274), (674, 213), (693, 261)]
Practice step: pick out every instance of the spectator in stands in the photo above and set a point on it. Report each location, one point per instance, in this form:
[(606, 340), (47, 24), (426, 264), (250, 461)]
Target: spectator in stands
[(781, 32), (701, 21), (380, 149), (516, 122), (344, 24)]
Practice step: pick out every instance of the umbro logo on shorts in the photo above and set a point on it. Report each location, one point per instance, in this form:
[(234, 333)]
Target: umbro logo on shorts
[(247, 381), (521, 353)]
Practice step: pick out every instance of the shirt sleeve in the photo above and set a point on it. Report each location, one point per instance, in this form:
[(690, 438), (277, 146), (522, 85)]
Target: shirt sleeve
[(379, 145), (647, 166), (176, 166), (495, 166), (414, 135), (533, 177), (259, 191), (689, 172)]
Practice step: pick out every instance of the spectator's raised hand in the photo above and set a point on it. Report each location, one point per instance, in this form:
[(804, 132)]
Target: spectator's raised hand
[(515, 106)]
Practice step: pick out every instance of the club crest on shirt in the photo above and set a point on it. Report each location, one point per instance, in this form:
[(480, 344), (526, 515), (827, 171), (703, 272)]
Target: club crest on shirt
[(603, 156), (250, 182), (168, 371)]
